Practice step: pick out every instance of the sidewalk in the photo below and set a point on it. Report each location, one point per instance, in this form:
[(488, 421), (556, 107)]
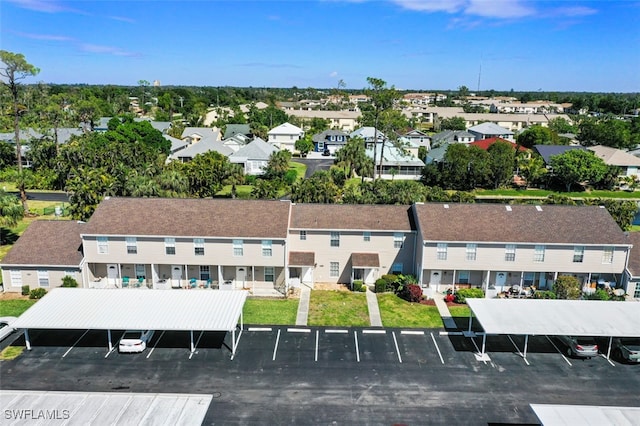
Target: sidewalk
[(447, 319), (303, 305), (374, 309)]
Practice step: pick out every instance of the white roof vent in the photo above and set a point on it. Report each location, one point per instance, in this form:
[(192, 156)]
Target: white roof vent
[(446, 206), (508, 208), (539, 208)]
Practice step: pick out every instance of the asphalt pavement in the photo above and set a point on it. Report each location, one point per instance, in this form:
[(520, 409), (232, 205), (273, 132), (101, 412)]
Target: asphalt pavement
[(319, 375)]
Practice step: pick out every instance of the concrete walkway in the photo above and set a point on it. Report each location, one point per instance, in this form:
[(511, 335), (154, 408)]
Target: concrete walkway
[(303, 305), (447, 319), (374, 309)]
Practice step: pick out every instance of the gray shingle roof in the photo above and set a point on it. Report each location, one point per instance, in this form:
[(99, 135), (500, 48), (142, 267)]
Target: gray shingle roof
[(547, 151), (324, 136), (490, 129), (234, 129), (634, 255), (256, 150), (552, 224), (48, 243), (350, 216), (190, 218)]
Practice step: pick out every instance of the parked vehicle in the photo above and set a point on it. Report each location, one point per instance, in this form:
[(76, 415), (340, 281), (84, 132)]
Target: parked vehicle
[(5, 327), (133, 341), (627, 349), (583, 347), (326, 152)]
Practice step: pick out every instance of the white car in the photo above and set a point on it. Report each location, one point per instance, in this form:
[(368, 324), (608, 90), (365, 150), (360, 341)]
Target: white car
[(5, 326), (133, 341)]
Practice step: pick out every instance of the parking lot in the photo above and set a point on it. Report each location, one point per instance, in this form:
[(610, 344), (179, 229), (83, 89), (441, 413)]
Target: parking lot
[(324, 375)]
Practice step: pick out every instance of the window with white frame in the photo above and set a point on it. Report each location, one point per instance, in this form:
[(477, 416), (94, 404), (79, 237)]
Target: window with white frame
[(267, 248), (441, 251), (303, 235), (43, 278), (132, 245), (396, 268), (170, 246), (398, 239), (269, 274), (636, 292), (366, 236), (335, 239), (103, 245), (538, 254), (334, 269), (510, 253), (198, 246), (463, 277), (16, 278), (471, 251), (320, 146), (205, 272), (607, 255), (578, 254), (238, 249)]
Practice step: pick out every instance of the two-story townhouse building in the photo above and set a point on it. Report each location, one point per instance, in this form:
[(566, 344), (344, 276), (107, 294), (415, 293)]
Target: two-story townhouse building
[(186, 243), (285, 136), (340, 243), (497, 246)]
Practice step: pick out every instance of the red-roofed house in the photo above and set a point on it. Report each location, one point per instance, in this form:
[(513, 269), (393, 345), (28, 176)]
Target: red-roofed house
[(486, 143)]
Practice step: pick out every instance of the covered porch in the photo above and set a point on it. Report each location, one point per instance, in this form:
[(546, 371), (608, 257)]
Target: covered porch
[(301, 266), (364, 267)]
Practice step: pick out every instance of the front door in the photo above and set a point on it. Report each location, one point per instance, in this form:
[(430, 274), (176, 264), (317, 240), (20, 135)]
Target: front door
[(176, 275), (434, 280), (501, 280), (241, 275), (112, 273)]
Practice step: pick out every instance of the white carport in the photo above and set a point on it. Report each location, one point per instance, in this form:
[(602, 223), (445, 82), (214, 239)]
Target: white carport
[(554, 318), (100, 309), (586, 415)]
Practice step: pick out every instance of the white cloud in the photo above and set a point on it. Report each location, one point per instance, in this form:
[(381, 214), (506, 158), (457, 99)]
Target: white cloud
[(46, 6), (122, 19), (109, 50), (333, 74), (499, 9), (49, 37), (449, 6)]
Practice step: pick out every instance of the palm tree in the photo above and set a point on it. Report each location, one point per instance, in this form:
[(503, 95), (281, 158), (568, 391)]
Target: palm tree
[(235, 176)]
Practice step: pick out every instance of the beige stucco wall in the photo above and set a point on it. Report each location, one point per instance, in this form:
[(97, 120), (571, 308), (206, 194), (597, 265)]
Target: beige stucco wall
[(381, 243), (30, 278), (557, 258)]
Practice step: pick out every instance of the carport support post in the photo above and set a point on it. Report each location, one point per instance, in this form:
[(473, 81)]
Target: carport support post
[(109, 338), (609, 349), (193, 349), (26, 339), (484, 342), (526, 343), (470, 319)]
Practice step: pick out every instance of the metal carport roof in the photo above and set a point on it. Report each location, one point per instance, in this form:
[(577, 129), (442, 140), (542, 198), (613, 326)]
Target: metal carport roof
[(136, 309), (566, 415), (557, 317)]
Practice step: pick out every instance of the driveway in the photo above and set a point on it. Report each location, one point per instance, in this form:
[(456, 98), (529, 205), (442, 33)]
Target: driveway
[(315, 163)]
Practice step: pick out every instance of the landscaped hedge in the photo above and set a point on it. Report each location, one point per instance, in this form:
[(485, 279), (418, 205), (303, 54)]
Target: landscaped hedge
[(468, 293), (410, 293), (358, 285), (37, 293), (544, 295)]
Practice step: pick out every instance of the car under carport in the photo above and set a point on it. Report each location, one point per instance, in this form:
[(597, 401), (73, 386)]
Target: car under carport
[(528, 317), (108, 309)]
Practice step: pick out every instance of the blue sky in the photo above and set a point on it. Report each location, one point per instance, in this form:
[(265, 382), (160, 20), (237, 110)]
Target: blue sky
[(412, 44)]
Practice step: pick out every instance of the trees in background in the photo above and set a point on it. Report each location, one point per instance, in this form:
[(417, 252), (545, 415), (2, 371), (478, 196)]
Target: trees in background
[(538, 135), (453, 123), (16, 68), (577, 166)]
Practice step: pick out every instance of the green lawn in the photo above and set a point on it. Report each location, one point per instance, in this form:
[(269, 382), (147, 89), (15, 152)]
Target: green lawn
[(516, 193), (396, 312), (338, 308), (15, 307), (270, 311), (300, 169), (242, 191)]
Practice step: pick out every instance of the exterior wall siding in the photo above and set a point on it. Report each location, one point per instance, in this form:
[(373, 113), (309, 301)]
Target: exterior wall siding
[(30, 277)]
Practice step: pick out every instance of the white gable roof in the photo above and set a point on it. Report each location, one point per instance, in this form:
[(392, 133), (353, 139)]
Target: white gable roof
[(490, 129), (286, 129)]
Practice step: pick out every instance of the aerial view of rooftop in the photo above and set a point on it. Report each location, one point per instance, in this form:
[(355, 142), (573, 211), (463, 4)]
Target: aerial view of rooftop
[(320, 212)]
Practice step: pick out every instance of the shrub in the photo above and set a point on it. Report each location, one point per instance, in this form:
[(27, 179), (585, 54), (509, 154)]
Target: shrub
[(390, 278), (468, 293), (381, 285), (600, 294), (25, 290), (411, 293), (69, 281), (544, 295), (290, 177), (250, 179), (37, 293), (357, 285)]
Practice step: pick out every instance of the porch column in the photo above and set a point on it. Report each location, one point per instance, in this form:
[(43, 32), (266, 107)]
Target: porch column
[(453, 279), (253, 279), (555, 276), (186, 275), (487, 283), (119, 274), (220, 278), (154, 275), (521, 279)]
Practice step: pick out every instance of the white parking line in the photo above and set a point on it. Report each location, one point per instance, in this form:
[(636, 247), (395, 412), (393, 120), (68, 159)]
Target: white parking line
[(437, 348), (317, 335), (336, 331), (299, 330), (478, 349), (275, 348), (374, 331), (518, 349), (259, 329), (559, 351), (610, 362), (355, 337), (156, 344), (393, 333), (413, 332), (451, 333), (72, 346)]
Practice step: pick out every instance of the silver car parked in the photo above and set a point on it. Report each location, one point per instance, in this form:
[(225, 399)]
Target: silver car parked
[(583, 347), (626, 349)]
